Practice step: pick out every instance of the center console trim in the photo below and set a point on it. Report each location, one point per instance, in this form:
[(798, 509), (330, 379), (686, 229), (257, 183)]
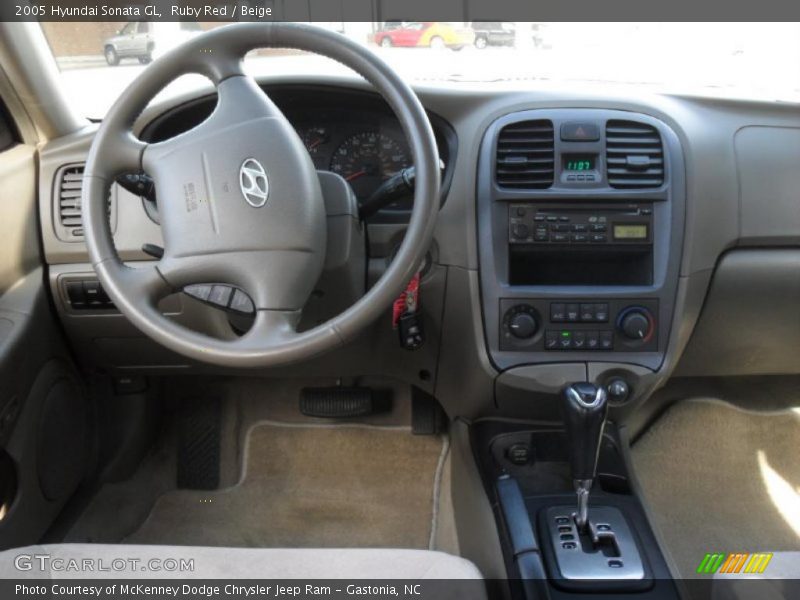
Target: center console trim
[(668, 215)]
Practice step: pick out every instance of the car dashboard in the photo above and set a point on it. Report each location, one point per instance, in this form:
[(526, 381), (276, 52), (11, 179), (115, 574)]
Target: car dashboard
[(582, 236)]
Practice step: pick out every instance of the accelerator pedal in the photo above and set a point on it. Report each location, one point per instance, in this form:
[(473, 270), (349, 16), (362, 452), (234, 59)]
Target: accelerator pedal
[(199, 441)]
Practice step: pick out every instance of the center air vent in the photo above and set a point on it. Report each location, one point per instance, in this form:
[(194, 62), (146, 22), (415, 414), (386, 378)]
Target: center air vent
[(69, 221), (634, 156), (525, 155)]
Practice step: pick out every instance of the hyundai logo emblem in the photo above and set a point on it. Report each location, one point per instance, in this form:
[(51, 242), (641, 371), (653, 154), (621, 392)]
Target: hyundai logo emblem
[(254, 183)]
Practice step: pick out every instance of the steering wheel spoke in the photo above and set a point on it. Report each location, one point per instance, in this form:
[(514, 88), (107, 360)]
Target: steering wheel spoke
[(270, 327)]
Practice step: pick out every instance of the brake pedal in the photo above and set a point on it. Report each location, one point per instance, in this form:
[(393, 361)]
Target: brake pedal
[(336, 402)]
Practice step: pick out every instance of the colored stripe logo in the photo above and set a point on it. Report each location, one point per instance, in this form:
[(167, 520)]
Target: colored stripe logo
[(735, 562)]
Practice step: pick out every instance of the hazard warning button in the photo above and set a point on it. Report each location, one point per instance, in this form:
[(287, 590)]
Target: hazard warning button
[(580, 132)]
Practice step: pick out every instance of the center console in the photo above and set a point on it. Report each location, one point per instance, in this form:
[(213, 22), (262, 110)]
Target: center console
[(580, 224), (580, 230)]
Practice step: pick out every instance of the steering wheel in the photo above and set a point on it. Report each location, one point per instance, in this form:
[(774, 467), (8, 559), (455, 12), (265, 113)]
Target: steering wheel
[(240, 200)]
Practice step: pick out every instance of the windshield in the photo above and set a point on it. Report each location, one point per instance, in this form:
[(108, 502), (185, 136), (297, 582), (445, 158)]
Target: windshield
[(743, 60)]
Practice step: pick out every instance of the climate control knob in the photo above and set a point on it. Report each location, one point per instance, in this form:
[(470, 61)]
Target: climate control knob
[(521, 321), (636, 323), (523, 325)]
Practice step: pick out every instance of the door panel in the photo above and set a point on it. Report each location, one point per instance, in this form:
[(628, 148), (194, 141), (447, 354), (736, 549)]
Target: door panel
[(44, 435)]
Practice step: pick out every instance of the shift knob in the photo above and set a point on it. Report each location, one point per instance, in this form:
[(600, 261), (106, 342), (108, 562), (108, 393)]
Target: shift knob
[(585, 409)]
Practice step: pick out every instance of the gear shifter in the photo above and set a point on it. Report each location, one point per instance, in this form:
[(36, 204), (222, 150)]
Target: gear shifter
[(585, 409)]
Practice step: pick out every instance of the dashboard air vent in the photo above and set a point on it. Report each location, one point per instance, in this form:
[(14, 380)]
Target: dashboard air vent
[(69, 200), (634, 156), (68, 203), (525, 155)]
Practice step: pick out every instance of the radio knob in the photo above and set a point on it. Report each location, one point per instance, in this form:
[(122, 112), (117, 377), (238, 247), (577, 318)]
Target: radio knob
[(520, 231), (523, 325), (636, 324)]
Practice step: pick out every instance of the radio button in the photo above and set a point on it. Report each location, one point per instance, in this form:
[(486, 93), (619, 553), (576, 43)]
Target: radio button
[(563, 218), (538, 218), (541, 236), (560, 237), (598, 227), (552, 218), (580, 238), (559, 227), (598, 238), (580, 227)]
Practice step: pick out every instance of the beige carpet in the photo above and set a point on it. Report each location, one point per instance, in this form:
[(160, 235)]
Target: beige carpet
[(311, 486), (721, 479)]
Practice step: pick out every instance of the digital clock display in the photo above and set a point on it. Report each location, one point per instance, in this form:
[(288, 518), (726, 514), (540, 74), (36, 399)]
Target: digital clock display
[(630, 232), (574, 162)]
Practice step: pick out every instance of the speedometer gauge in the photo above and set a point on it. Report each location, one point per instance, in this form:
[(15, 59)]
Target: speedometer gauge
[(367, 159)]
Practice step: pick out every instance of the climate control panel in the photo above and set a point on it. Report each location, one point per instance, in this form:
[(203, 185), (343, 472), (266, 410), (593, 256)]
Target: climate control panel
[(621, 324)]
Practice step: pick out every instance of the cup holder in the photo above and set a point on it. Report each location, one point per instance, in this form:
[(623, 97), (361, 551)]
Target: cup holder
[(8, 484)]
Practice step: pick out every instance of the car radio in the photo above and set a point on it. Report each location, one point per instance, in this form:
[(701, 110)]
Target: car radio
[(569, 243), (530, 223)]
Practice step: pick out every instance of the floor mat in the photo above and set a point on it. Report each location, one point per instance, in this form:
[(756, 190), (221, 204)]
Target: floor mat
[(312, 486), (721, 479)]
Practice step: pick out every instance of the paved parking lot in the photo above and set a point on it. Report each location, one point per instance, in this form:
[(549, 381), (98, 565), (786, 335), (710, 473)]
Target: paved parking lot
[(692, 66)]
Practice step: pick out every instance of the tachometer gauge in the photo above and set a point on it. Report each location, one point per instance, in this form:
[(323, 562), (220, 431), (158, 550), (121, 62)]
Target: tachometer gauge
[(366, 159), (315, 139)]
